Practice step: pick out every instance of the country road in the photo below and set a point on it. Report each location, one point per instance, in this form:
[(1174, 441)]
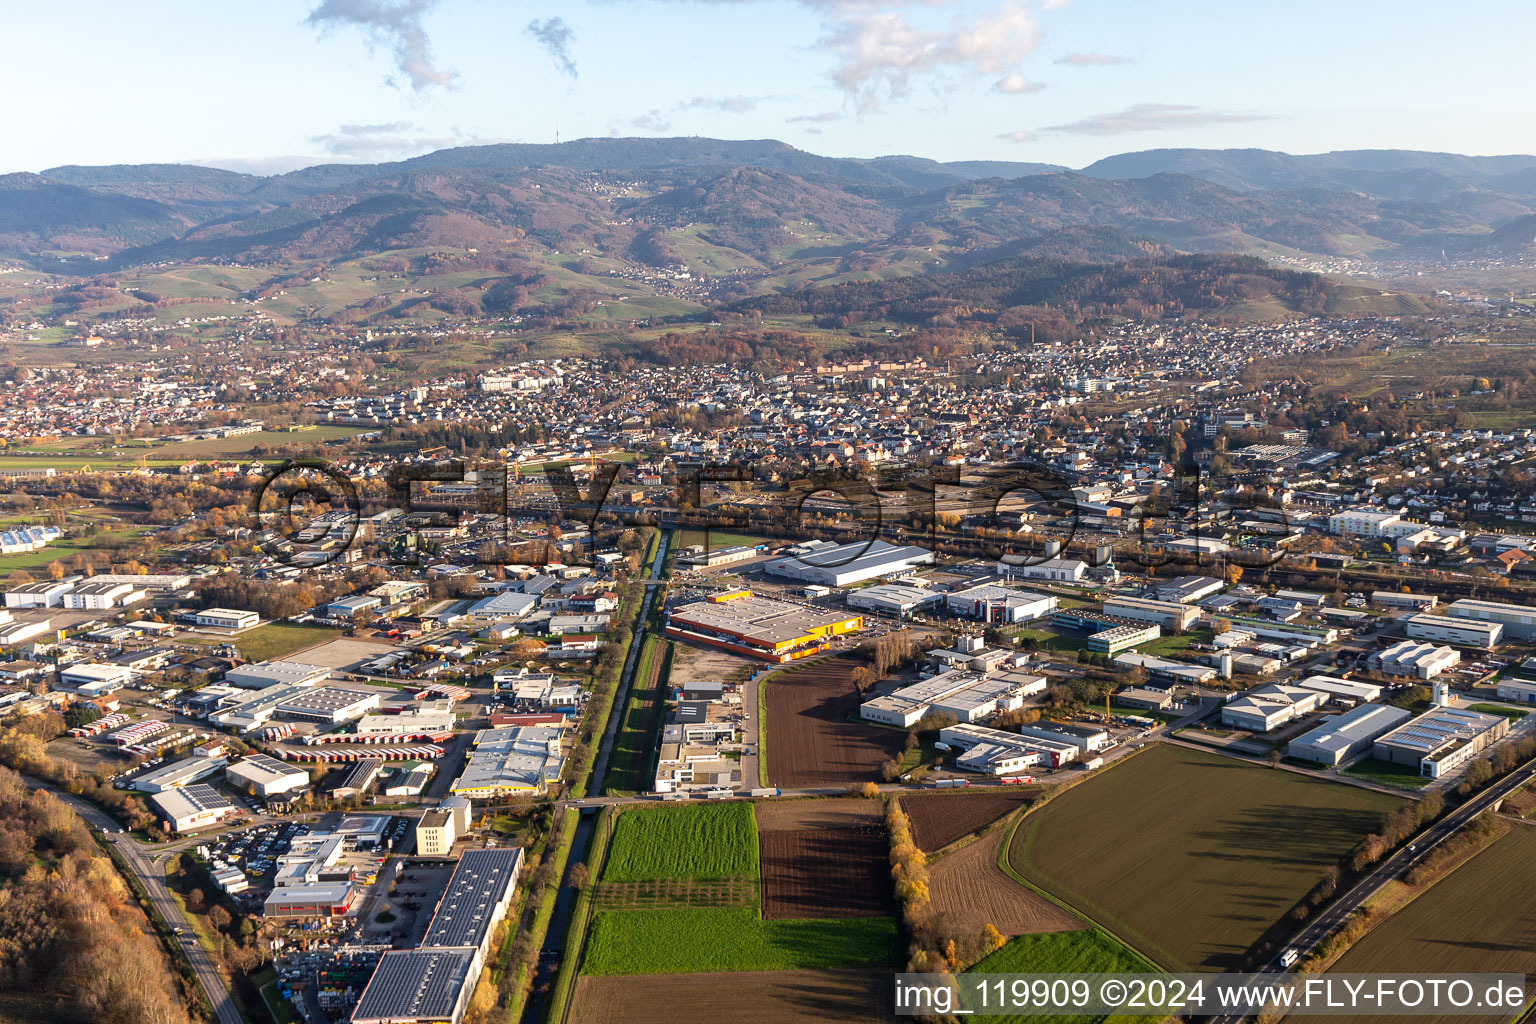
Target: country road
[(152, 877)]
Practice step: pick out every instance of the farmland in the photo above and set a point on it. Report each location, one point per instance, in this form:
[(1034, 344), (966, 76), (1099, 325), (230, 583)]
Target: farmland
[(776, 997), (822, 873), (938, 819), (969, 891), (273, 640), (1081, 952), (1188, 856), (810, 741), (706, 842), (1474, 919), (683, 940), (823, 858)]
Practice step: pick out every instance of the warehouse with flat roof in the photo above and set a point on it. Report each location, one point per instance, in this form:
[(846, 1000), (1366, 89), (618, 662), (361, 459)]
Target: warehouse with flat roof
[(838, 565), (327, 704), (178, 773), (516, 759), (1451, 629), (418, 986), (895, 599), (1440, 740), (1335, 688), (1344, 736), (1518, 620), (1268, 707), (265, 776), (759, 627), (1170, 615), (192, 807), (999, 605), (262, 674), (969, 696), (476, 899)]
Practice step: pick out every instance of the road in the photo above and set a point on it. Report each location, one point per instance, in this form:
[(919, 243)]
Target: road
[(627, 677), (152, 877), (1391, 868)]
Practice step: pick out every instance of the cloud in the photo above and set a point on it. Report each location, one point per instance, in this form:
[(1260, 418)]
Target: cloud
[(394, 24), (556, 37), (726, 104), (373, 141), (878, 52), (1091, 59), (653, 121), (1016, 84), (1019, 136), (821, 118), (1152, 117)]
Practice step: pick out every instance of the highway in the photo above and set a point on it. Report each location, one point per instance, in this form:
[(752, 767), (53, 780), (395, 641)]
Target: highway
[(1391, 868), (152, 877)]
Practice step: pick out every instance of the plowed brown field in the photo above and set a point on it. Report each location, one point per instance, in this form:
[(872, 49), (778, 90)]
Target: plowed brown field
[(810, 741), (941, 817)]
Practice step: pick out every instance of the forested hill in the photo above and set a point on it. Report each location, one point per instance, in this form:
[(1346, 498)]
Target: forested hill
[(1015, 292)]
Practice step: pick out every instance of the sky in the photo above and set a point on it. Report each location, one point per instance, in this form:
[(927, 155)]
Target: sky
[(273, 85)]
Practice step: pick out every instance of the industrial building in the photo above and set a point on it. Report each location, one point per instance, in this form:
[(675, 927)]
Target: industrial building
[(1344, 736), (358, 778), (1115, 639), (758, 627), (1398, 599), (1188, 589), (838, 565), (179, 773), (1268, 707), (418, 986), (994, 752), (476, 899), (1517, 691), (1518, 620), (507, 606), (265, 776), (1450, 629), (517, 759), (999, 605), (191, 807), (1440, 740), (1163, 668), (1145, 699), (701, 559), (895, 599), (969, 696), (1416, 660), (92, 680), (1056, 570), (1170, 615), (1086, 738), (317, 899), (39, 594), (433, 984), (1108, 633), (225, 618), (329, 705), (262, 674), (1334, 688), (98, 596)]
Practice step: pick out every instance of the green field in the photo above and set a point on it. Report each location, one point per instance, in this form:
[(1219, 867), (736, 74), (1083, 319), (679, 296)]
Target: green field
[(1091, 951), (1513, 714), (1477, 918), (274, 640), (679, 941), (709, 841), (1191, 857), (1369, 769)]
